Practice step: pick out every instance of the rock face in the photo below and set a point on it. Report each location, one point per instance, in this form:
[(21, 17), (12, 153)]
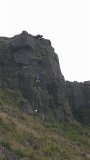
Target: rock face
[(79, 99), (29, 63)]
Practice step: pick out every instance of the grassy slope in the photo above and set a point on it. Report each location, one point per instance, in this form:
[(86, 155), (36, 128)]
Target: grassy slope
[(29, 136)]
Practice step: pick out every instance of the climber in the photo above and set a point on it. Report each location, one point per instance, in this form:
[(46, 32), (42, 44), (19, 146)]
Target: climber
[(37, 78)]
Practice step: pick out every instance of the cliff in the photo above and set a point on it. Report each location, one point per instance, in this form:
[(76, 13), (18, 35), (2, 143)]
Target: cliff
[(78, 95), (29, 64), (35, 100)]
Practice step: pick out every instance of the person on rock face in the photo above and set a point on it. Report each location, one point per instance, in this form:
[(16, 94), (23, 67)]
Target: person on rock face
[(37, 78)]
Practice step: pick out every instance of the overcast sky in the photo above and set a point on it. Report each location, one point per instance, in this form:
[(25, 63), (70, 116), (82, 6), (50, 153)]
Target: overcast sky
[(65, 22)]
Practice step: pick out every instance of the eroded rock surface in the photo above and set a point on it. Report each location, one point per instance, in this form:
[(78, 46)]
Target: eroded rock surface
[(29, 63), (79, 99)]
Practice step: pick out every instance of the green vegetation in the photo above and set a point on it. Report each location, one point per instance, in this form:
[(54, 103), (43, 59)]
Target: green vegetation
[(28, 136)]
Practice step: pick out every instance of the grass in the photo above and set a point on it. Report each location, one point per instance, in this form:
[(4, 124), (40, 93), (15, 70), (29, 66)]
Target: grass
[(28, 136)]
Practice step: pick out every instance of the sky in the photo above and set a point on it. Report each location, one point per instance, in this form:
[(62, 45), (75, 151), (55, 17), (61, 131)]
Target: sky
[(65, 22)]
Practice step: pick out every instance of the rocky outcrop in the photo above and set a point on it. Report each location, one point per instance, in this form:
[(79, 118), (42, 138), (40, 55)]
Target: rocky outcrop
[(79, 99), (29, 63)]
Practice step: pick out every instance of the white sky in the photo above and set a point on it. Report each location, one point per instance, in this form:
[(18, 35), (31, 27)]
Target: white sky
[(65, 22)]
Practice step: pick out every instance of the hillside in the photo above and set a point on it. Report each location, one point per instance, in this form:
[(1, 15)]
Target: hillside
[(28, 137), (42, 117)]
